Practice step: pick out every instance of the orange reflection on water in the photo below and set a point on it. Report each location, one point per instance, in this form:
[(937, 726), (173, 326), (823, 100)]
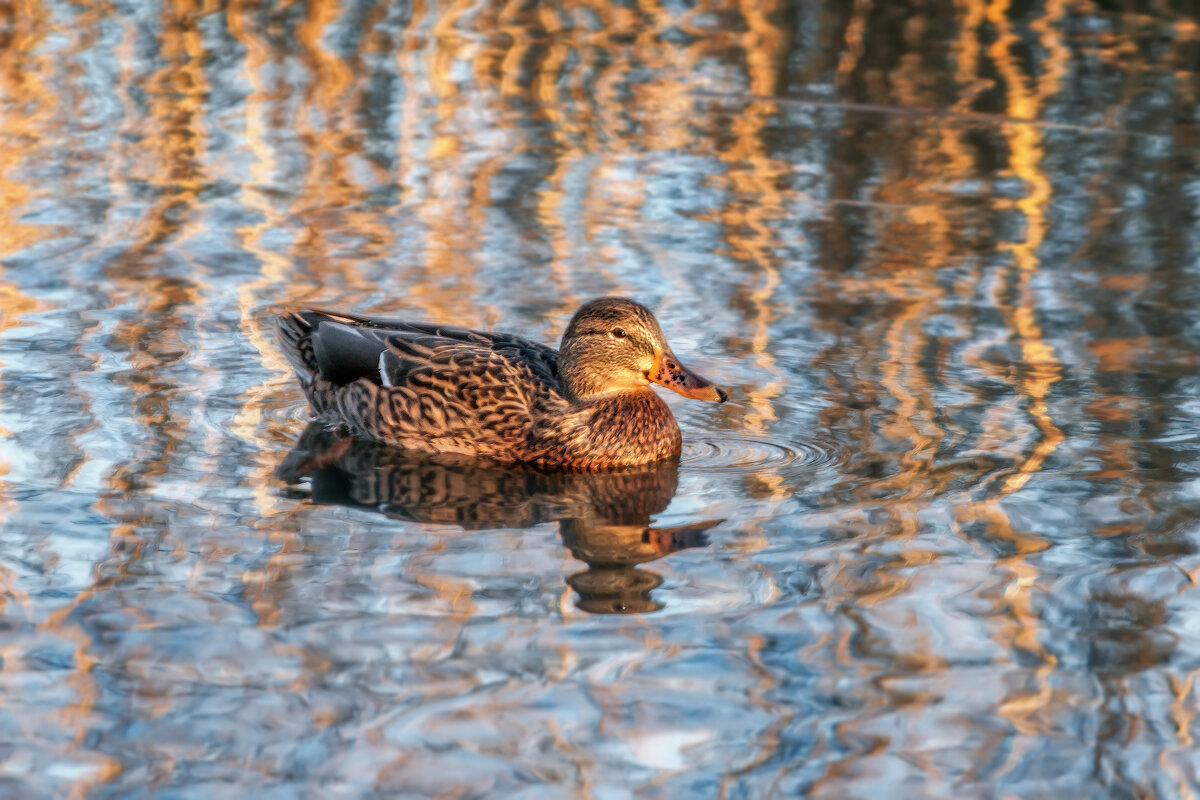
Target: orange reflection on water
[(943, 387), (150, 340), (1027, 709), (23, 67)]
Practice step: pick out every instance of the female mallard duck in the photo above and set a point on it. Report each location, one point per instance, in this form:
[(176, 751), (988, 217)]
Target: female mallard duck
[(439, 389)]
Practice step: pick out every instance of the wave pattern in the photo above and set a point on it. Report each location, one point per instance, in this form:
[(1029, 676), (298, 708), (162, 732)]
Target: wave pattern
[(942, 537), (741, 453)]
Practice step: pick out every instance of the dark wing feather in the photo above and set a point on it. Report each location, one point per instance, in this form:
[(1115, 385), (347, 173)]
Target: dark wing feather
[(428, 387), (344, 353), (353, 346)]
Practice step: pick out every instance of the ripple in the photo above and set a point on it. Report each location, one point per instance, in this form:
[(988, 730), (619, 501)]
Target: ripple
[(744, 453), (295, 413)]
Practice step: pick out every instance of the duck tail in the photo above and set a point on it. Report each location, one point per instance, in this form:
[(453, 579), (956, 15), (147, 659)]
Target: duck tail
[(294, 331)]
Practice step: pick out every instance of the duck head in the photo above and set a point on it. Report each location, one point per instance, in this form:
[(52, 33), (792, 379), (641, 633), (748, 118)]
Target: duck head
[(615, 345)]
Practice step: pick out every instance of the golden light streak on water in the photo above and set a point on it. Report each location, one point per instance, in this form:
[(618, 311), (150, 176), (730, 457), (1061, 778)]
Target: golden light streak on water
[(1026, 154), (853, 41), (908, 252), (515, 25), (22, 67), (552, 198), (151, 339), (505, 73), (22, 86), (1183, 714), (756, 202), (968, 52), (1174, 759), (176, 142), (901, 374), (449, 243), (411, 75), (960, 160), (278, 279), (278, 284), (1024, 707), (930, 234), (338, 92), (448, 45), (1185, 32), (331, 76), (996, 433), (332, 92)]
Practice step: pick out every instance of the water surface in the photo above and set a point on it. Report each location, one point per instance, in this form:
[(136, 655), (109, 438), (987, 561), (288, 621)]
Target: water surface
[(942, 541)]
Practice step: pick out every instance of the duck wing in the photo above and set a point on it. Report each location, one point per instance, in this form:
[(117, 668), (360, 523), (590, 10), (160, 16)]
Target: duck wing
[(432, 388), (342, 348)]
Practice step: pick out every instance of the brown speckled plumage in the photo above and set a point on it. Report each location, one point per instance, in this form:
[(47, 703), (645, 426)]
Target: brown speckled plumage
[(440, 389)]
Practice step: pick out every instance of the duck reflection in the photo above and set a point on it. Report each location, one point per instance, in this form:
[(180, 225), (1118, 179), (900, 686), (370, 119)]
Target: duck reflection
[(604, 518)]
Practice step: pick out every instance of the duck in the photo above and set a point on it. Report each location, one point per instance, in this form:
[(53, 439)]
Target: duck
[(441, 389)]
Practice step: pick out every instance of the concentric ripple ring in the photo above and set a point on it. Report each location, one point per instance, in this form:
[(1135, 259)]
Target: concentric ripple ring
[(744, 453)]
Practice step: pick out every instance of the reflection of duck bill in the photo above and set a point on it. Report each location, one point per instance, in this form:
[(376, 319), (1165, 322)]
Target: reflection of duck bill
[(616, 590), (603, 544), (680, 537)]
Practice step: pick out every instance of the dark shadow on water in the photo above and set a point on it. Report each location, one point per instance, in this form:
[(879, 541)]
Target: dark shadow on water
[(604, 518)]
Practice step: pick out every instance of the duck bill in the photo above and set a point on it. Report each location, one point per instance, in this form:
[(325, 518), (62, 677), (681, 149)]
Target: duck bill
[(668, 372)]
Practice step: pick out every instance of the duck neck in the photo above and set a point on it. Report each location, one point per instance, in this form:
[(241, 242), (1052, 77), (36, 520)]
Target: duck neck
[(581, 385)]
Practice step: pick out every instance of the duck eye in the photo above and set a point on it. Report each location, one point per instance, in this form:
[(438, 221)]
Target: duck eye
[(619, 333)]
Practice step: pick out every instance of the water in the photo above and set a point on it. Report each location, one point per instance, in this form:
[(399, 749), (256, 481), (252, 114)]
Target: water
[(942, 541)]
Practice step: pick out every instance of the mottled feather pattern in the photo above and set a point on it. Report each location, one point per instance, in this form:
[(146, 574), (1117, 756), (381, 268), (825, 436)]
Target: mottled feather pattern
[(460, 399), (443, 389), (631, 428)]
